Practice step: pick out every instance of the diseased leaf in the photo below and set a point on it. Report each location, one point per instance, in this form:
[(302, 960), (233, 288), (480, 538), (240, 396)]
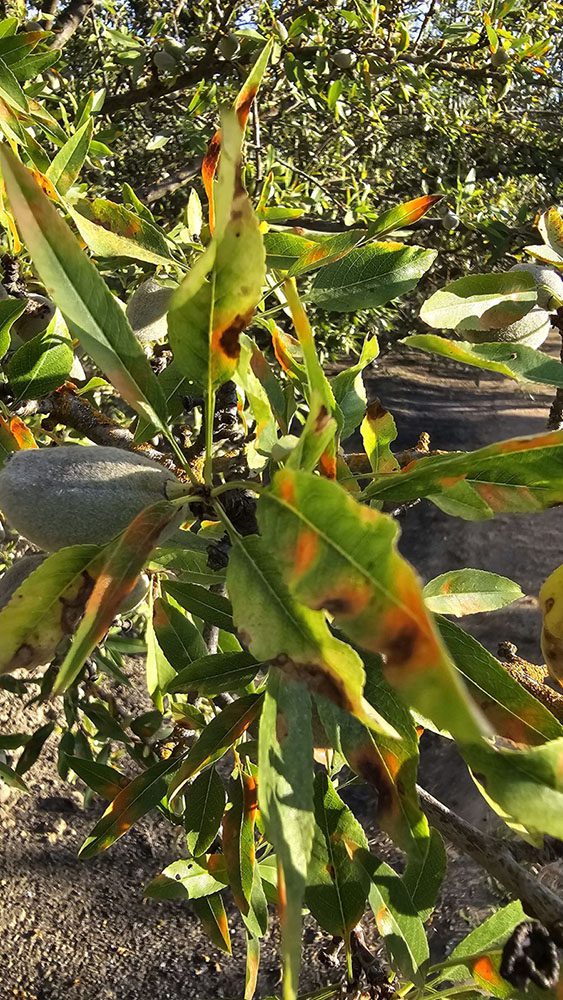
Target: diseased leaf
[(238, 837), (378, 433), (326, 252), (481, 302), (403, 215), (106, 781), (370, 276), (119, 573), (135, 800), (488, 936), (204, 804), (217, 299), (276, 628), (285, 249), (112, 230), (341, 556), (86, 303), (285, 798), (217, 737), (516, 361), (517, 476), (46, 607), (185, 880), (469, 591), (349, 391), (211, 911)]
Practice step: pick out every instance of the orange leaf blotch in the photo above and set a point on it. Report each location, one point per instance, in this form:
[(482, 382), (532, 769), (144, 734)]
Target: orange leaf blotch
[(484, 969), (281, 353), (286, 487), (22, 434), (306, 549), (548, 440), (408, 642), (244, 103), (225, 340), (347, 599), (448, 482), (327, 465)]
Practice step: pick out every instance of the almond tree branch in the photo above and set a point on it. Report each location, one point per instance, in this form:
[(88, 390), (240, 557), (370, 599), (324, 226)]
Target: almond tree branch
[(495, 857), (69, 20)]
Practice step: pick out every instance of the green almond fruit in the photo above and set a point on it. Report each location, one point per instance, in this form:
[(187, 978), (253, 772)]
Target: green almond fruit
[(147, 310), (75, 495), (531, 330), (548, 283)]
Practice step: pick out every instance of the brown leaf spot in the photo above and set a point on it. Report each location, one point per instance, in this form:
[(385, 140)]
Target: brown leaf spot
[(282, 729), (23, 657), (400, 647), (317, 680), (73, 607), (375, 411)]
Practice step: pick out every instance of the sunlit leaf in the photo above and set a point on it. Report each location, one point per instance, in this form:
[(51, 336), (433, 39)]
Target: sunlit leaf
[(370, 276), (112, 230), (204, 804), (516, 361), (469, 591), (69, 160), (341, 556), (481, 302), (401, 216), (211, 911)]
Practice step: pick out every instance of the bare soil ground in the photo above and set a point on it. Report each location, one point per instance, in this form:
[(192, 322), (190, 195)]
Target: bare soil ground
[(81, 930)]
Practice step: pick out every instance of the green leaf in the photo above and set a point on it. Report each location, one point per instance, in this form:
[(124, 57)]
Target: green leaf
[(278, 629), (179, 639), (46, 607), (488, 936), (135, 800), (338, 555), (119, 572), (238, 837), (112, 230), (212, 608), (424, 876), (69, 160), (370, 276), (217, 737), (517, 476), (10, 90), (349, 391), (159, 671), (86, 303), (211, 675), (338, 883), (469, 591), (39, 367), (11, 778), (10, 309), (398, 922), (284, 250), (512, 711), (481, 302), (285, 799), (33, 748), (184, 880), (204, 805), (106, 781), (217, 299), (523, 785), (211, 911), (516, 361)]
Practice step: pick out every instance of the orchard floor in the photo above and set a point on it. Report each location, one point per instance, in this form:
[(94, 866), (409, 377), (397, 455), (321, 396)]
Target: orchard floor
[(75, 930)]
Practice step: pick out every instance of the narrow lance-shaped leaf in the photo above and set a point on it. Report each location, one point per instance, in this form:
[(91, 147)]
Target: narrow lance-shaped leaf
[(403, 215), (159, 672), (339, 555), (278, 629), (204, 807), (242, 106), (69, 160), (118, 575), (179, 639), (378, 432), (516, 361), (238, 837), (218, 736), (285, 799), (397, 921), (349, 390), (517, 476), (211, 911), (80, 293), (135, 800)]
